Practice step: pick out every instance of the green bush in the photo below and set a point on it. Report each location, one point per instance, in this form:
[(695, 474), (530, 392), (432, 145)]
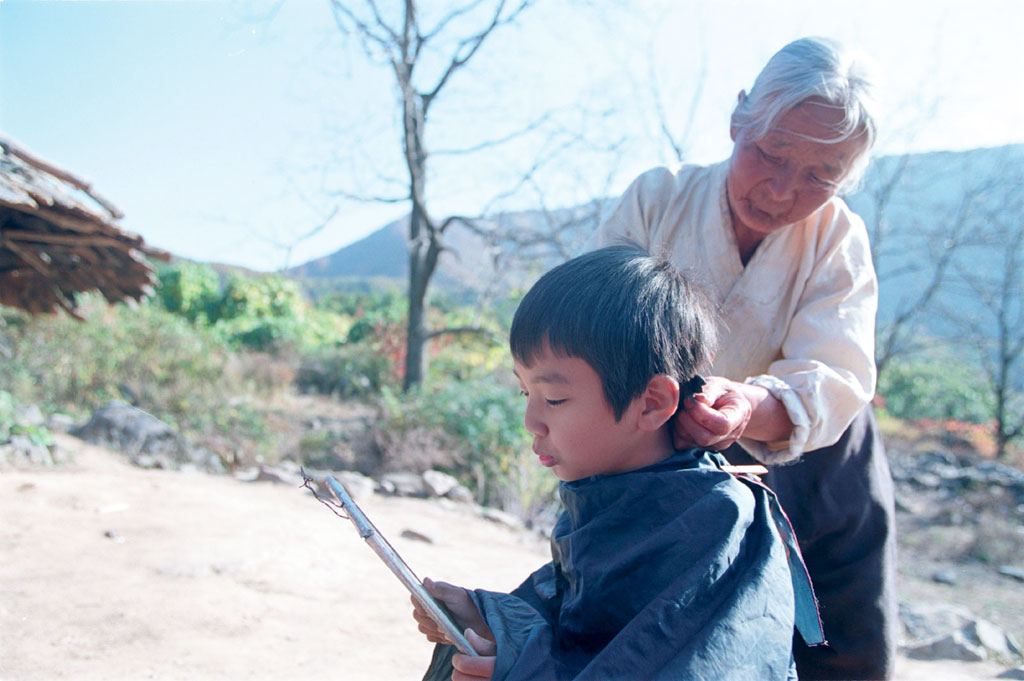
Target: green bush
[(347, 371), (937, 387), (484, 417), (9, 425), (189, 289), (156, 360), (266, 313)]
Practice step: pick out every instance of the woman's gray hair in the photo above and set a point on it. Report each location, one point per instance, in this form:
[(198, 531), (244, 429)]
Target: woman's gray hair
[(813, 67)]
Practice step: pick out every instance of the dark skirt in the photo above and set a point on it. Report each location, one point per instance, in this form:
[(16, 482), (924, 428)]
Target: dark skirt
[(841, 504)]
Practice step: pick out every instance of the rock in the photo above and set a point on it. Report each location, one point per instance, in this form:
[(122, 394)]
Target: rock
[(404, 485), (943, 631), (28, 415), (60, 423), (993, 639), (502, 518), (439, 484), (945, 576), (1012, 572), (148, 441), (416, 536), (28, 452), (279, 474), (358, 485), (246, 474), (460, 494), (931, 620), (130, 430), (1014, 673), (953, 646)]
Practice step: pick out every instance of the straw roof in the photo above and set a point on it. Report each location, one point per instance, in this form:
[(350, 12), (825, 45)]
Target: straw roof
[(59, 238)]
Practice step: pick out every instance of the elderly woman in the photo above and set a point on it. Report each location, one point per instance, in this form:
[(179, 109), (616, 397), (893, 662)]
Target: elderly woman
[(790, 266)]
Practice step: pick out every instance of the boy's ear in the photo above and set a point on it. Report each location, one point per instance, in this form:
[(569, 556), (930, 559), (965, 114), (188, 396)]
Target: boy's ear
[(659, 402)]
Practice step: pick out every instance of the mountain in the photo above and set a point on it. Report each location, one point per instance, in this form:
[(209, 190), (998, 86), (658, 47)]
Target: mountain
[(470, 263), (933, 198)]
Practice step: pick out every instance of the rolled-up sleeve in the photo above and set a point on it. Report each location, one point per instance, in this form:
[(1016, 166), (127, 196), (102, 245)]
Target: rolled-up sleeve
[(826, 372)]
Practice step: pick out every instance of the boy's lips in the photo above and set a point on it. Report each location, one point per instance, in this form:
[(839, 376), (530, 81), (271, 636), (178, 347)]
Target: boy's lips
[(545, 459)]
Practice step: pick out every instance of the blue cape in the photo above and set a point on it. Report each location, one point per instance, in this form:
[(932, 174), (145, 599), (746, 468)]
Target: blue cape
[(675, 571)]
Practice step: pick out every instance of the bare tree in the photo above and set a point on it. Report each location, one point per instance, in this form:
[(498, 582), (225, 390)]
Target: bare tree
[(937, 245), (403, 43), (993, 321)]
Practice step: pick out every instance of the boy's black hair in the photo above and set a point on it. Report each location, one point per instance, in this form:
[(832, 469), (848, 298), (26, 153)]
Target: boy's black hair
[(629, 315)]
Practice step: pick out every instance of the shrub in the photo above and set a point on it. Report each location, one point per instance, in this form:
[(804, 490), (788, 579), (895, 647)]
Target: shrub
[(10, 425), (347, 371), (156, 360), (189, 289), (266, 313), (483, 416), (938, 388)]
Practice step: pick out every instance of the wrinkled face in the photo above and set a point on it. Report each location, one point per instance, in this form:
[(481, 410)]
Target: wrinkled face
[(574, 430), (782, 178)]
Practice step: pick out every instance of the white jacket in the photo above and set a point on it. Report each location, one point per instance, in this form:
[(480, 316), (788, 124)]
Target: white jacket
[(800, 317)]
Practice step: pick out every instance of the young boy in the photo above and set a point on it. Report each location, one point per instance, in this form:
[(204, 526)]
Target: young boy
[(663, 565)]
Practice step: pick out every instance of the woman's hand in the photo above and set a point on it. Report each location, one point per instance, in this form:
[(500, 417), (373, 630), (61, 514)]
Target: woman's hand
[(724, 411), (714, 418)]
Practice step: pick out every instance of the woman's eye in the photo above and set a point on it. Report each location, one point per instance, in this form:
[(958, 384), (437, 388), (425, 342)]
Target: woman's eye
[(554, 403), (822, 184), (768, 158)]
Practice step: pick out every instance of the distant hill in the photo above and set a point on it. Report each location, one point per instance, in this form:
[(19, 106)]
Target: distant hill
[(925, 199), (470, 264)]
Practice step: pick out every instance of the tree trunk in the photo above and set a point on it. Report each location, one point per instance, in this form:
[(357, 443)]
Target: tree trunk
[(423, 244)]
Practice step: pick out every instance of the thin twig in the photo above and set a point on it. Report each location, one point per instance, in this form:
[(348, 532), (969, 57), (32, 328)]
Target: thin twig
[(306, 480)]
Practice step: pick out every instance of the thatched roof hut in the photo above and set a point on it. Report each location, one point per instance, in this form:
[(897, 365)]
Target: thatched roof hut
[(59, 238)]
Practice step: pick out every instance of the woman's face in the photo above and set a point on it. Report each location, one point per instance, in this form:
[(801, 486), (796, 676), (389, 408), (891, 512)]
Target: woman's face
[(781, 178)]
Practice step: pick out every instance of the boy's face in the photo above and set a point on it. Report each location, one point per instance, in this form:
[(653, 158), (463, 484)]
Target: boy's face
[(575, 433)]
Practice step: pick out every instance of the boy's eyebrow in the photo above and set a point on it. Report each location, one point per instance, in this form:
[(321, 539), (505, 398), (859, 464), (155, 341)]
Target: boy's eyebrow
[(550, 377)]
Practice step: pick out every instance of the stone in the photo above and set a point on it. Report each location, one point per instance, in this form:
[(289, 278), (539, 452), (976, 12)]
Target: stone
[(993, 638), (1013, 673), (502, 518), (60, 423), (953, 646), (944, 576), (461, 495), (439, 484), (416, 536), (1012, 572), (29, 452), (279, 475), (130, 430), (28, 415), (358, 486), (404, 484), (928, 620)]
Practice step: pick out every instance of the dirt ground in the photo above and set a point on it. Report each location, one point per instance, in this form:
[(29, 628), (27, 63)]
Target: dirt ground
[(110, 572)]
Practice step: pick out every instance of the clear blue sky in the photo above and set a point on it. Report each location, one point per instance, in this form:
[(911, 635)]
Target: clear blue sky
[(224, 130)]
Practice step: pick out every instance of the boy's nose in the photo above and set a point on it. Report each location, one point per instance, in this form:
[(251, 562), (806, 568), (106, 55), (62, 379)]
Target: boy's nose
[(533, 424)]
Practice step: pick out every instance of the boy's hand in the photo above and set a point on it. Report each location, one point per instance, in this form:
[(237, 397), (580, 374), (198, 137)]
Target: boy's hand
[(475, 668), (458, 602)]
